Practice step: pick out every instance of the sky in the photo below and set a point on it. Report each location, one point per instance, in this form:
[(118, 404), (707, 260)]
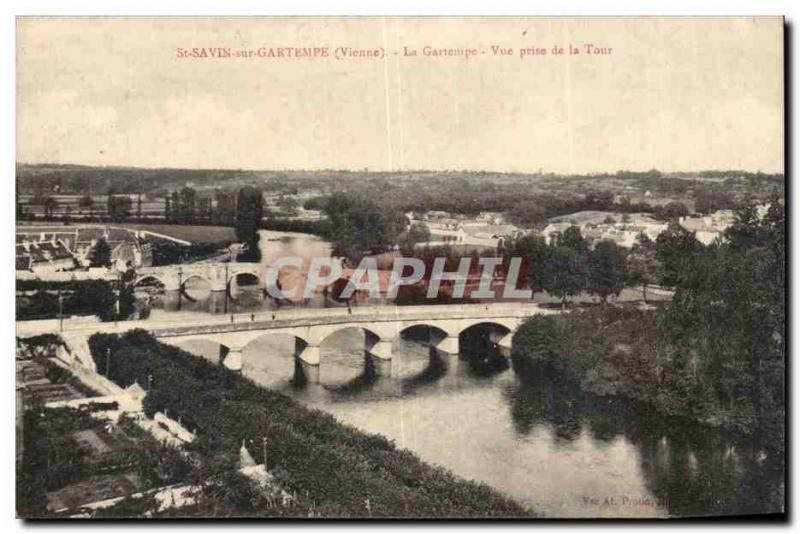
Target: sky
[(673, 94)]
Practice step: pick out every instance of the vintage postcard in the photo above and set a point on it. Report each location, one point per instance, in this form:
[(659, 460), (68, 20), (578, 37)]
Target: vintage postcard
[(418, 268)]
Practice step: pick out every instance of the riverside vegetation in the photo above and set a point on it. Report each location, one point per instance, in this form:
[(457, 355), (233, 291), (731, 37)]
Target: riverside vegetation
[(331, 469), (714, 354)]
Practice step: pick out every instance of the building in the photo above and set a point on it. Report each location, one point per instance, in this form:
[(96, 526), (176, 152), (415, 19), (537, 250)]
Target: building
[(624, 232), (44, 256), (128, 247), (709, 228)]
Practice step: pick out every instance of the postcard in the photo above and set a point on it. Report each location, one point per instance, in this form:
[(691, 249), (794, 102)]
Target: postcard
[(400, 268)]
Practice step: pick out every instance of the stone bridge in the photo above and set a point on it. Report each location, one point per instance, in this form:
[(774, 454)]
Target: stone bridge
[(311, 327), (382, 325), (218, 276)]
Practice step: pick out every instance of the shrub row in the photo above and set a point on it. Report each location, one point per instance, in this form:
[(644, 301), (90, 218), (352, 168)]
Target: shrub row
[(341, 470)]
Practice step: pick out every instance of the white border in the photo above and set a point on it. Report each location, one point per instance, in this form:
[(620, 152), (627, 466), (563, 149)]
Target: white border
[(11, 9)]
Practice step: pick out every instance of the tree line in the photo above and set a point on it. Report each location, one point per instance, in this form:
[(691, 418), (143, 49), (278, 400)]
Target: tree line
[(333, 469), (715, 353)]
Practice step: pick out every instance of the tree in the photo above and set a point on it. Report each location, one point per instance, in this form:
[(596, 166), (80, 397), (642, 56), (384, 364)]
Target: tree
[(730, 310), (85, 203), (564, 273), (572, 238), (710, 200), (599, 200), (674, 210), (676, 249), (95, 296), (186, 205), (225, 209), (536, 343), (287, 204), (418, 232), (359, 224), (119, 207), (250, 210), (608, 270), (100, 254), (535, 254), (50, 205), (642, 264), (528, 214)]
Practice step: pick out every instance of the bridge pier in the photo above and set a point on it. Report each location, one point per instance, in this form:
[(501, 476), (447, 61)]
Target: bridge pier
[(172, 299), (502, 342), (447, 351), (380, 355), (233, 360), (307, 356), (449, 346), (217, 301)]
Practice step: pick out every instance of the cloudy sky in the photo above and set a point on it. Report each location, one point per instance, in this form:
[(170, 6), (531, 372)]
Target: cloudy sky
[(674, 94)]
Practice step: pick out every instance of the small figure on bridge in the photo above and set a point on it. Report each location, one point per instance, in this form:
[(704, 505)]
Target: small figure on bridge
[(252, 317), (231, 318)]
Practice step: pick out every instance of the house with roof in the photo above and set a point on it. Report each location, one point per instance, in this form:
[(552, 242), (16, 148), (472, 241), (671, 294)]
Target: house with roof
[(44, 256)]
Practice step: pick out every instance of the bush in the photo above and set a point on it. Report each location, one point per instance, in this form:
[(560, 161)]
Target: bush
[(333, 466)]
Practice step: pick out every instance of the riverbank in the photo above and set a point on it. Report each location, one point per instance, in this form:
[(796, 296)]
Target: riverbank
[(338, 470), (628, 353)]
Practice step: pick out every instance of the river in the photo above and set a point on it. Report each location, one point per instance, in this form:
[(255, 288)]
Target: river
[(550, 447), (547, 445)]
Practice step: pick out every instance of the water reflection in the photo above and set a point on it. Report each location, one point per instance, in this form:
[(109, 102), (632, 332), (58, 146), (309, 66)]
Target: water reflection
[(689, 469), (245, 294), (546, 444), (553, 448)]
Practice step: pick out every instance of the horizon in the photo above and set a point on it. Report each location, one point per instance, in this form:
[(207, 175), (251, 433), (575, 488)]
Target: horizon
[(542, 173)]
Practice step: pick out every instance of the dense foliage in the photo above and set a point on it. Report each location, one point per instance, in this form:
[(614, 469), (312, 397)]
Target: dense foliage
[(342, 471), (715, 353), (38, 299), (249, 211), (567, 266), (360, 225)]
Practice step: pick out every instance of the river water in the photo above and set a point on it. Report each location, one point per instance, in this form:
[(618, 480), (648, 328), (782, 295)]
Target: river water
[(545, 444), (548, 446)]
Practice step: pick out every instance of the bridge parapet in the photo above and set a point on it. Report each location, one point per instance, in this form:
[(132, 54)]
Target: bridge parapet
[(310, 327)]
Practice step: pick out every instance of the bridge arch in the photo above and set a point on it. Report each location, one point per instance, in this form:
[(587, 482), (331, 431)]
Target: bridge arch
[(256, 273), (354, 355), (244, 279), (486, 345), (423, 331), (273, 359), (267, 335), (369, 332), (195, 276), (497, 325), (140, 280), (196, 293)]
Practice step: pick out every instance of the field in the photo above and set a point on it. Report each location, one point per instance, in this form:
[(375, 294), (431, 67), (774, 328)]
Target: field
[(195, 234)]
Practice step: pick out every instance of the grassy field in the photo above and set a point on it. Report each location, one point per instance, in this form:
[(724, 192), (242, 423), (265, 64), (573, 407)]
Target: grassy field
[(195, 234), (334, 470)]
